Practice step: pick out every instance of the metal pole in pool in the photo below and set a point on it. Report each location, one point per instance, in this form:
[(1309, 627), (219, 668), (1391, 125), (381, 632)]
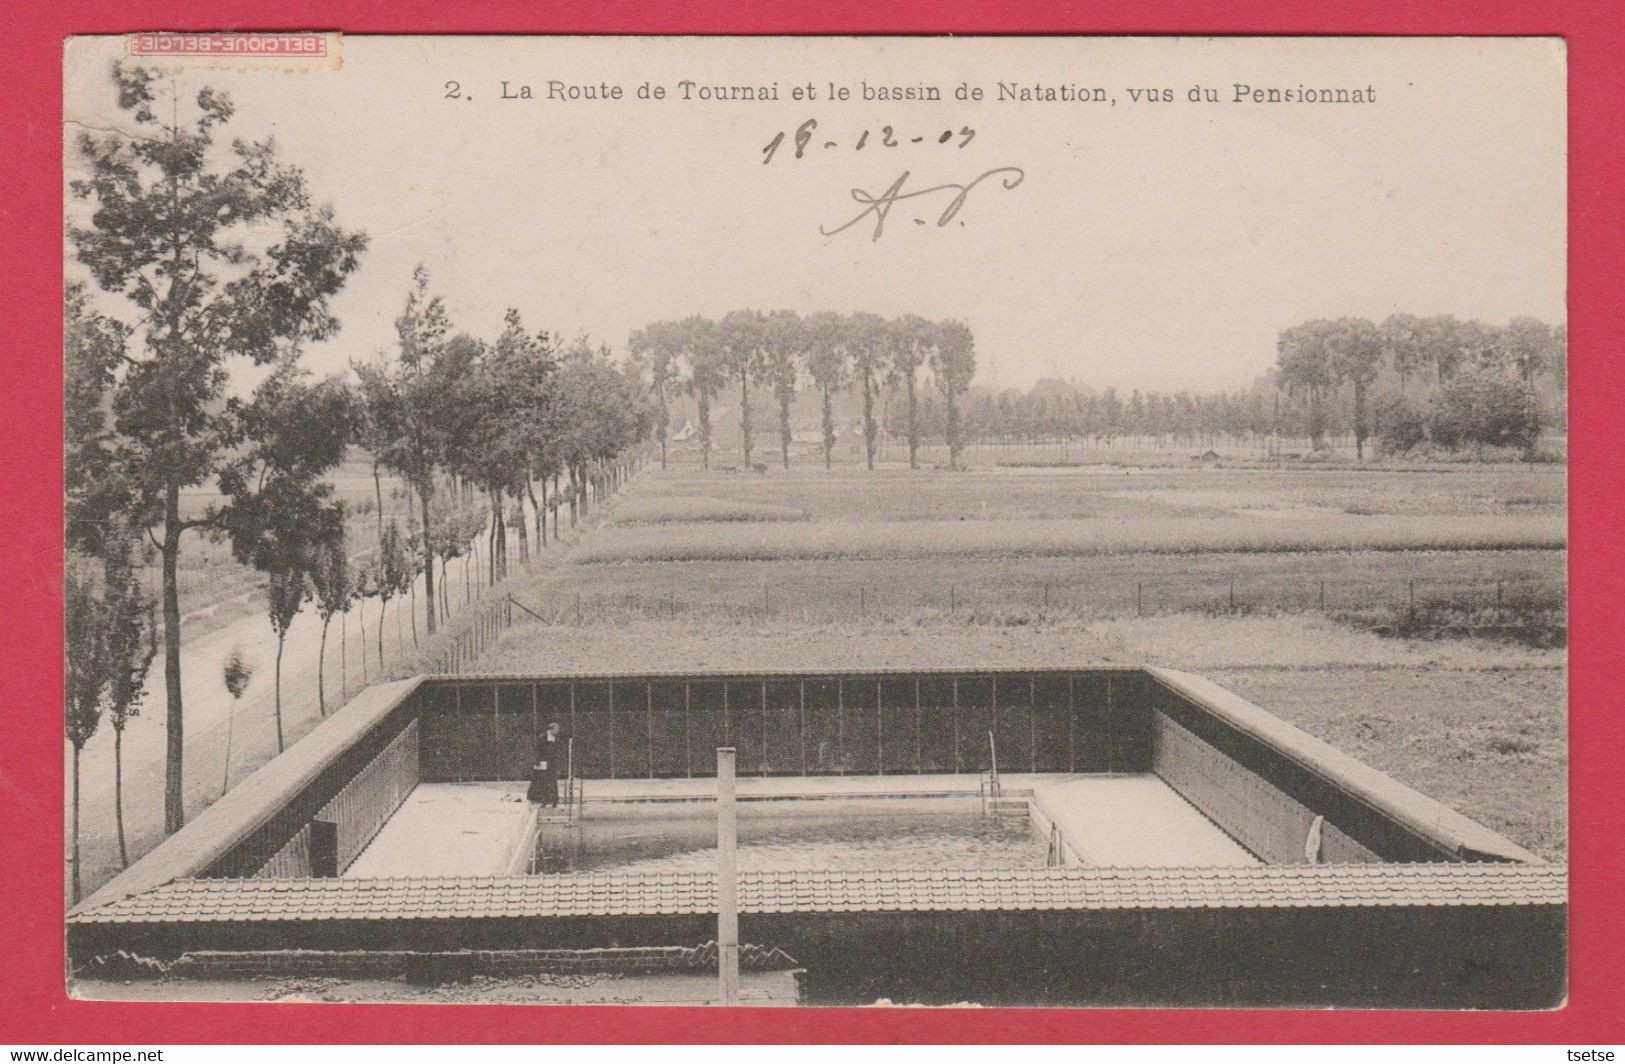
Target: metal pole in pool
[(727, 878)]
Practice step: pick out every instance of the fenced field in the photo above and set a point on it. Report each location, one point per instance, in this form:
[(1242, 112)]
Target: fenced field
[(1417, 614)]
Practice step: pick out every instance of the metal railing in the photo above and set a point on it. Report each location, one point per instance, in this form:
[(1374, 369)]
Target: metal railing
[(988, 784), (572, 798)]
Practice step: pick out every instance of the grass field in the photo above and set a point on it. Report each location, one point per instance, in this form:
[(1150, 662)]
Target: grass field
[(1240, 574), (1061, 538)]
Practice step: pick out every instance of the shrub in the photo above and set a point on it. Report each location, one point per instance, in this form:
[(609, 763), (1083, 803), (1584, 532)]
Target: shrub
[(1402, 426), (1484, 409), (236, 673)]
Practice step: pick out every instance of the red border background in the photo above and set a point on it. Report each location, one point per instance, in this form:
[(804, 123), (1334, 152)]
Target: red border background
[(33, 1005)]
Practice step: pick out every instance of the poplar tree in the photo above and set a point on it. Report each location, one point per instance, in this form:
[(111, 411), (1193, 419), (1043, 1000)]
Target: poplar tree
[(828, 363), (178, 226)]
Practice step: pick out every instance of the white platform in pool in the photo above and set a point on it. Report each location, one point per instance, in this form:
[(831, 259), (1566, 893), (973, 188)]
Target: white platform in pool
[(1134, 821), (449, 829)]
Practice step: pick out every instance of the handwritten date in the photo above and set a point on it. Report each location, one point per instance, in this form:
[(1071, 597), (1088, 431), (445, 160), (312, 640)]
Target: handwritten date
[(885, 137)]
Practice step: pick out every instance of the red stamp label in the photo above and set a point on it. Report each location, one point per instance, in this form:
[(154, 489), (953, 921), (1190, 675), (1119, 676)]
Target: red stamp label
[(232, 46)]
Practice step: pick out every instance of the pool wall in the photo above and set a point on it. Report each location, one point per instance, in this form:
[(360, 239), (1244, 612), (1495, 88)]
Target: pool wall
[(1271, 787), (1257, 777), (799, 724)]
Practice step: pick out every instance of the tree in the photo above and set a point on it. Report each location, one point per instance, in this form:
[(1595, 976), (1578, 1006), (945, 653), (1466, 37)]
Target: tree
[(827, 361), (1355, 348), (1404, 339), (335, 588), (1404, 425), (414, 403), (453, 530), (911, 338), (1484, 408), (953, 361), (86, 639), (1560, 357), (283, 511), (706, 374), (1527, 344), (234, 674), (285, 593), (1304, 364), (390, 574), (740, 344), (1456, 344), (95, 492), (505, 422), (658, 345), (783, 339), (170, 232), (867, 340), (110, 624), (132, 643), (110, 643)]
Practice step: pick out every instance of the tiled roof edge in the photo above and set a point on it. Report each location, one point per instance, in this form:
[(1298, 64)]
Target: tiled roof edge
[(612, 894)]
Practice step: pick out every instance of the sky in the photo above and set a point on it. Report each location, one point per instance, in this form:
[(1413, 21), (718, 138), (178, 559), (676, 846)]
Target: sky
[(1147, 245)]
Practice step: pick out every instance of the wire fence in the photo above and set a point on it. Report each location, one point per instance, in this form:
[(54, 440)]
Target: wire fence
[(481, 634), (1411, 603)]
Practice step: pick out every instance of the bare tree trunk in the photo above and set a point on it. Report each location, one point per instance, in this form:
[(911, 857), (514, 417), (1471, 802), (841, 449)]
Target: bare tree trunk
[(784, 425), (869, 429), (378, 492), (383, 614), (524, 531), (77, 890), (344, 654), (428, 576), (829, 429), (118, 795), (665, 419), (412, 610), (280, 639), (1359, 421), (361, 621), (744, 415), (913, 425), (321, 668), (174, 807), (703, 399), (502, 541)]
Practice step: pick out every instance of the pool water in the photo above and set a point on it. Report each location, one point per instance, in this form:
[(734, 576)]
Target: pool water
[(885, 833)]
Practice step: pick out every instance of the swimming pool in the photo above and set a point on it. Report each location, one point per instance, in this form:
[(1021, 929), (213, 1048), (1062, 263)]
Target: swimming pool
[(879, 833)]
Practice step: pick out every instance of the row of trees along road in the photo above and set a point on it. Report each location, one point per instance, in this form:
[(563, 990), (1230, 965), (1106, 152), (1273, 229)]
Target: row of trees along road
[(174, 234), (863, 351)]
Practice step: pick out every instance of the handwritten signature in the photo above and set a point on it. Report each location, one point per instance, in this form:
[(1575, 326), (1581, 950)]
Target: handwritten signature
[(880, 206)]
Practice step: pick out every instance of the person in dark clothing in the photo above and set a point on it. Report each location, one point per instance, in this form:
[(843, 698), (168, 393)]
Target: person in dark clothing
[(544, 774)]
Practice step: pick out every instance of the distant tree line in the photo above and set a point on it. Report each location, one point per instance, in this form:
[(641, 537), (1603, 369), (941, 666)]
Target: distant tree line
[(1406, 383), (860, 352), (176, 236), (1409, 380)]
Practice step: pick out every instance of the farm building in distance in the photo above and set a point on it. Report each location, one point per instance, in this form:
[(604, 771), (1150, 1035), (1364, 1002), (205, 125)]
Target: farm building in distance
[(1090, 836)]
